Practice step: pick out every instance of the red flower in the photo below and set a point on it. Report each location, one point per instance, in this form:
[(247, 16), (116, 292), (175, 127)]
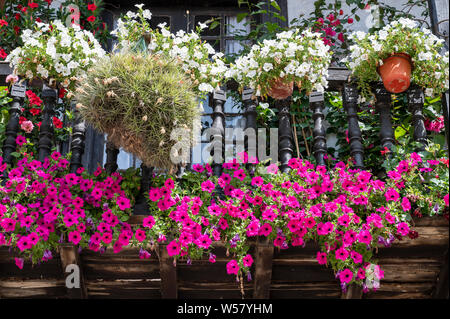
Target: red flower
[(3, 54), (24, 9), (341, 12), (17, 17), (33, 5), (62, 92), (35, 111), (22, 119), (17, 29), (341, 36), (350, 20), (3, 23), (49, 2), (38, 20), (92, 7), (386, 150), (91, 19), (57, 122)]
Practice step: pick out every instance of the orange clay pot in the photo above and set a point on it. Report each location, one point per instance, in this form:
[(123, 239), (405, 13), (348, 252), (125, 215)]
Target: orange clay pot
[(396, 72), (280, 90)]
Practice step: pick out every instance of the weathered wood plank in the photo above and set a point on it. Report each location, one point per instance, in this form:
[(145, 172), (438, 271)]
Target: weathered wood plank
[(124, 289), (69, 256), (37, 288), (263, 269), (353, 292), (307, 290)]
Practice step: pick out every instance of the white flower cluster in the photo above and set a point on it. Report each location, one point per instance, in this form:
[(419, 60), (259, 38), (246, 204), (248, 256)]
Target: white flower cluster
[(204, 65), (296, 56), (403, 36), (55, 53)]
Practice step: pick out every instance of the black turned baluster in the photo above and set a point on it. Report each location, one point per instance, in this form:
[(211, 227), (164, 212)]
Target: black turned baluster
[(77, 144), (141, 206), (285, 133), (250, 123), (415, 101), (111, 158), (49, 96), (9, 145), (383, 106), (350, 103), (445, 107), (218, 129), (320, 141)]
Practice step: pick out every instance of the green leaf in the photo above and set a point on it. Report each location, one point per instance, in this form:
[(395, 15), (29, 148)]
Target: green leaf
[(274, 4), (241, 16), (399, 132)]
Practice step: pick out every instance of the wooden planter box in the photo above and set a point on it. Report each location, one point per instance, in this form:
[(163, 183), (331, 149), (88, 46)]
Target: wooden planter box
[(413, 269)]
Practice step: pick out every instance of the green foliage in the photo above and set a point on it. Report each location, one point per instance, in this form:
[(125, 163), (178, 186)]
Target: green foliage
[(369, 123), (138, 100), (4, 115)]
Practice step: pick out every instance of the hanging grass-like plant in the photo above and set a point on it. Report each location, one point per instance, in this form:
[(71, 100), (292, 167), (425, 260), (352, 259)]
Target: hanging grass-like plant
[(138, 100)]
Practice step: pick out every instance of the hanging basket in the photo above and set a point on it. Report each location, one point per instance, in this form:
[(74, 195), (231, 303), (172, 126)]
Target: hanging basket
[(396, 72), (279, 90)]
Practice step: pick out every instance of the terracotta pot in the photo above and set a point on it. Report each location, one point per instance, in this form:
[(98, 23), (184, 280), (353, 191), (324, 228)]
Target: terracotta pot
[(396, 72), (280, 90)]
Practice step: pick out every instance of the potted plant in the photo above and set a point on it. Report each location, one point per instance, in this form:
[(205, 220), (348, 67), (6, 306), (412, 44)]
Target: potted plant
[(139, 99), (272, 67), (197, 58), (399, 54), (55, 54)]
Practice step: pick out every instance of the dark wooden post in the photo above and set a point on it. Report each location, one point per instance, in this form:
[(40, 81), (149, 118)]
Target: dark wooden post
[(263, 269), (441, 289), (168, 274), (350, 103), (111, 158), (353, 292), (9, 145), (141, 206), (250, 123), (69, 256), (320, 141), (77, 144), (383, 105), (218, 128), (49, 97), (285, 133), (415, 101)]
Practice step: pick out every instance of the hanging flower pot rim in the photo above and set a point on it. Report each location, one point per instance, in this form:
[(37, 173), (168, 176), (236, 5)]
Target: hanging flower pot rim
[(400, 55)]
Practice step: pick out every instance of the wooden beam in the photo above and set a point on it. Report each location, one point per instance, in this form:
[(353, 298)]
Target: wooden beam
[(263, 269), (441, 291), (69, 256), (353, 292), (168, 274)]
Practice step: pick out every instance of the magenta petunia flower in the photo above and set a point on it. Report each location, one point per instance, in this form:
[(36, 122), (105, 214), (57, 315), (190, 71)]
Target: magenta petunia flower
[(406, 205), (173, 248), (346, 275), (232, 267), (321, 258), (208, 186), (19, 262), (74, 237), (403, 229), (247, 260), (149, 221), (342, 253)]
